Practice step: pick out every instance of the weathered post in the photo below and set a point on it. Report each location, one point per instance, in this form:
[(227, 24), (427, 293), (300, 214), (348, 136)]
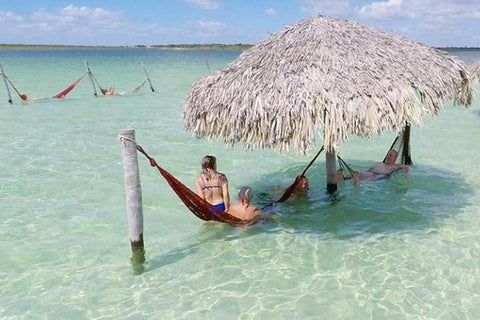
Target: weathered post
[(330, 155), (133, 195), (331, 169), (4, 76), (405, 156)]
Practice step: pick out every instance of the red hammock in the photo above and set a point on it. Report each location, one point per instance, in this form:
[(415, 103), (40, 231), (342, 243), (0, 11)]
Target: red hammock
[(63, 93), (197, 205), (59, 95)]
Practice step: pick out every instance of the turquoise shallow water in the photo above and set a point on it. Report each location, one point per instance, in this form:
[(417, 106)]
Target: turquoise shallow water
[(407, 248)]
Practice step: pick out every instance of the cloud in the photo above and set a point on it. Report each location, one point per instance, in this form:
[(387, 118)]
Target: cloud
[(384, 10), (207, 26), (270, 12), (326, 7), (72, 25), (422, 9), (435, 22), (206, 4)]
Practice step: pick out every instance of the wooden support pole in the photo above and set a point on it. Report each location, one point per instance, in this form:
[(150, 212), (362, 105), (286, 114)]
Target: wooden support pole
[(148, 77), (4, 76), (133, 194), (405, 156), (90, 75), (331, 169)]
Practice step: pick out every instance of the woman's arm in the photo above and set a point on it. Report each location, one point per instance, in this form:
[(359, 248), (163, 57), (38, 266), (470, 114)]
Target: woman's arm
[(225, 193), (198, 187), (405, 168)]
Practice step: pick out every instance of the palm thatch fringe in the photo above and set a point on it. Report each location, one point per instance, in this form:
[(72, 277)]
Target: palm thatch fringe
[(475, 71), (323, 74)]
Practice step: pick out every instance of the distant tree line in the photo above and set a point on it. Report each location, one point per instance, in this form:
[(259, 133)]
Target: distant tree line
[(215, 46)]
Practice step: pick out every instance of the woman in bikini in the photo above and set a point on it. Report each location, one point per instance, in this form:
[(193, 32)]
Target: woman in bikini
[(212, 185)]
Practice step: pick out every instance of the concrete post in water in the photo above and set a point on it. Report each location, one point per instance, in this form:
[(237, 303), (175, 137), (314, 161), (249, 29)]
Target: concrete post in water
[(330, 155), (331, 169), (133, 194)]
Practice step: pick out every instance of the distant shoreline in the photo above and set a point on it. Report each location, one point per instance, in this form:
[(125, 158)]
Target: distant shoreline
[(152, 47), (215, 46)]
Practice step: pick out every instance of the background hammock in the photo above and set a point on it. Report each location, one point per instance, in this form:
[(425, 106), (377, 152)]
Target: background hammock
[(111, 91), (62, 94), (401, 144)]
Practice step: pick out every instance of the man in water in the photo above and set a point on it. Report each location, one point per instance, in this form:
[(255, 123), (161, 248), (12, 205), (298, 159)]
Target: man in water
[(302, 185), (381, 170), (242, 209)]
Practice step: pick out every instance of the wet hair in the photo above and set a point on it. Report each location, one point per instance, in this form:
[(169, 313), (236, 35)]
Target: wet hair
[(245, 193), (302, 185), (393, 150), (208, 162)]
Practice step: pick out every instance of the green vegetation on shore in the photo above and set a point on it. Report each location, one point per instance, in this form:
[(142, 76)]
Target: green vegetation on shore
[(215, 46)]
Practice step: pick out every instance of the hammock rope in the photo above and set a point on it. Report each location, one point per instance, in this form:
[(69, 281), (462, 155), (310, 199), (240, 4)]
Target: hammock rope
[(137, 88), (196, 204), (14, 88), (98, 84), (343, 165), (401, 145), (90, 75), (4, 76), (148, 77)]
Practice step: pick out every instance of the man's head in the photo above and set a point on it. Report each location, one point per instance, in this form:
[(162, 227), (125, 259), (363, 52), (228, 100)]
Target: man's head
[(245, 194), (391, 156)]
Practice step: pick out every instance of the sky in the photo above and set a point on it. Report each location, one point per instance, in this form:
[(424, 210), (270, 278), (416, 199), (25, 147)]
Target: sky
[(440, 23)]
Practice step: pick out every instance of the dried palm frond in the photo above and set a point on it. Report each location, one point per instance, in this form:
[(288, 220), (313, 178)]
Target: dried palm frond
[(323, 75)]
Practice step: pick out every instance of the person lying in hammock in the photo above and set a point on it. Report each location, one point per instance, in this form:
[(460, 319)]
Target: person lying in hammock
[(212, 185), (299, 187), (380, 170), (24, 97), (303, 184), (109, 91), (242, 209)]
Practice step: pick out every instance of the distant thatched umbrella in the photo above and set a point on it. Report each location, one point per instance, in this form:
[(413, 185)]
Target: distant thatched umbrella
[(323, 74)]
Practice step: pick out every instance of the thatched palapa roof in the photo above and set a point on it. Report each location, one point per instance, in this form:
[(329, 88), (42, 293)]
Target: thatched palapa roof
[(325, 75), (475, 71)]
